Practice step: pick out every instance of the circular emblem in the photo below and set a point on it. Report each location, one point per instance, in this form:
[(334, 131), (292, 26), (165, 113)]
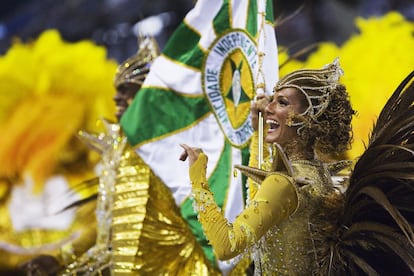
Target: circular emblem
[(228, 83)]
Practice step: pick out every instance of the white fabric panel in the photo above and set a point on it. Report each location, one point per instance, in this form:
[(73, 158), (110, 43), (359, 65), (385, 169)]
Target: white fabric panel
[(235, 190), (200, 19), (239, 10), (163, 155), (170, 75), (271, 61)]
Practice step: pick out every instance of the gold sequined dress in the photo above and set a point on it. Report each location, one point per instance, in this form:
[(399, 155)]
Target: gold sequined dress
[(274, 228), (141, 229)]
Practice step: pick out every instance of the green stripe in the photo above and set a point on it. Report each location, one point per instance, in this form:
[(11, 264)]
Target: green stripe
[(183, 47), (187, 212), (251, 24), (223, 171), (218, 186), (221, 23), (269, 11), (156, 112)]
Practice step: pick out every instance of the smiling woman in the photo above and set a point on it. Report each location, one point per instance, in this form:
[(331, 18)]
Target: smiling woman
[(278, 244), (297, 222)]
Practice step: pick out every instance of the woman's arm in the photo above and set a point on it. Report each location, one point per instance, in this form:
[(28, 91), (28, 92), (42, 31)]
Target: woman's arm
[(275, 200)]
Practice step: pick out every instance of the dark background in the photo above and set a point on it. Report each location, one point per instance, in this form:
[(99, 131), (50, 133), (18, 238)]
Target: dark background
[(111, 22)]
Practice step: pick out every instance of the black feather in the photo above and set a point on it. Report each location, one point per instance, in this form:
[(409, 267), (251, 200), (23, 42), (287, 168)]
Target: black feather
[(373, 232)]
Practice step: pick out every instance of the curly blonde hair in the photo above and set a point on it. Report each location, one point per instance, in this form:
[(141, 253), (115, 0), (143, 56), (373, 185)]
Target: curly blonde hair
[(331, 133)]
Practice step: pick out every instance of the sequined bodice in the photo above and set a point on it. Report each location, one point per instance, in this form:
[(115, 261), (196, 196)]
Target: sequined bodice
[(287, 248)]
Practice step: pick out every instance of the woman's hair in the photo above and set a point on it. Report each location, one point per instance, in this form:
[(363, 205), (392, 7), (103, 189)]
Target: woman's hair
[(332, 132), (326, 122)]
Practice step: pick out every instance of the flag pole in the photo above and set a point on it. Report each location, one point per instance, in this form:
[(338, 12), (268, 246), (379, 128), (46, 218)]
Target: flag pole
[(260, 153), (260, 87)]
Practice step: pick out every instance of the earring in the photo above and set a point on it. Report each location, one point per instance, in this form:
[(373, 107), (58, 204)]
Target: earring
[(289, 121)]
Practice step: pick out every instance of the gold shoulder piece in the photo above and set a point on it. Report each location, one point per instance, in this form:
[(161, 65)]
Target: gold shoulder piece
[(257, 175), (281, 162)]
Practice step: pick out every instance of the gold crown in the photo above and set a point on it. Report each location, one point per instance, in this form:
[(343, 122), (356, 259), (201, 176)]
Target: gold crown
[(317, 86), (135, 68)]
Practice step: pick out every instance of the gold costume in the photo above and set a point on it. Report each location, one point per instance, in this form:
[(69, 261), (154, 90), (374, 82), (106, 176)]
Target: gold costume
[(296, 222), (146, 233), (274, 228), (149, 235), (141, 230)]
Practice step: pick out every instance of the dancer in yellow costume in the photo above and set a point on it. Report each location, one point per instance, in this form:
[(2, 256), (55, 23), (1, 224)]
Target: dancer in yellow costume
[(147, 234), (296, 222)]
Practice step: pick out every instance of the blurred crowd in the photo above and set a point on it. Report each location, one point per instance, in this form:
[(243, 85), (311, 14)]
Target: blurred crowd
[(115, 23)]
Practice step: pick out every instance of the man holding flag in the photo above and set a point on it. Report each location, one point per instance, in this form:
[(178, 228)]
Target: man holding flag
[(199, 91)]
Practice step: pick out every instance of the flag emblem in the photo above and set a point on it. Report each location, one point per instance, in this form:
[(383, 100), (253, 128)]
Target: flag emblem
[(228, 83), (198, 92)]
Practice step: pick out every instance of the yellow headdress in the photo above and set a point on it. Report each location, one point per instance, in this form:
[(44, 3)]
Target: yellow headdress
[(135, 69)]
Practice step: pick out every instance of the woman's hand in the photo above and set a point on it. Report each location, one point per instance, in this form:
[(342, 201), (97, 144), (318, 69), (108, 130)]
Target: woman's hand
[(191, 153), (258, 105)]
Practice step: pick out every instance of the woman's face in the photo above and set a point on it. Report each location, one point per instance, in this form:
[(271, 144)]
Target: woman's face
[(286, 102)]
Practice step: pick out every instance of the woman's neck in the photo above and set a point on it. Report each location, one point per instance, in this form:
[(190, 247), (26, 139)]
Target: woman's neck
[(297, 150)]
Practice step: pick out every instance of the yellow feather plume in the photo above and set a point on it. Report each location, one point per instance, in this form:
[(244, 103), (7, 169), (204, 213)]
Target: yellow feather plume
[(49, 89)]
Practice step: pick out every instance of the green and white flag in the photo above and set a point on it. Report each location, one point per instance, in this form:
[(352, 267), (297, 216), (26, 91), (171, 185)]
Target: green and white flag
[(198, 92)]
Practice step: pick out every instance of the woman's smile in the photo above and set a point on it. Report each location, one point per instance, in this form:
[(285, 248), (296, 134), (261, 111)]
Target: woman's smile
[(273, 125)]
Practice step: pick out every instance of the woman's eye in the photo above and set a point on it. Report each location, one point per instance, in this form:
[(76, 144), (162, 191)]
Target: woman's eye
[(282, 102)]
